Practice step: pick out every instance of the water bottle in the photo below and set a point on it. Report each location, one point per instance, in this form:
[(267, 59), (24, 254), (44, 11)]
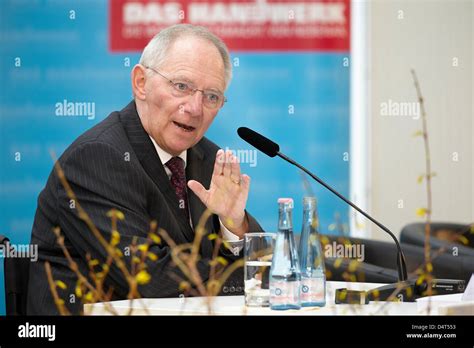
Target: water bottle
[(313, 277), (285, 271)]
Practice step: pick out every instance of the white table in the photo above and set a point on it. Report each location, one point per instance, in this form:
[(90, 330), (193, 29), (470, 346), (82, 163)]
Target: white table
[(234, 305)]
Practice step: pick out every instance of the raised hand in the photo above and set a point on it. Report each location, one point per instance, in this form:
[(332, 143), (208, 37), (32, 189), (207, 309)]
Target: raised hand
[(227, 194)]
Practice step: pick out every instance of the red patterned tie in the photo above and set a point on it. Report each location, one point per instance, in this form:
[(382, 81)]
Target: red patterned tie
[(178, 181)]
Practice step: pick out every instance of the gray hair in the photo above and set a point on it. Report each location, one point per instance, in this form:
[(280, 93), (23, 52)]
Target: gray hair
[(155, 51)]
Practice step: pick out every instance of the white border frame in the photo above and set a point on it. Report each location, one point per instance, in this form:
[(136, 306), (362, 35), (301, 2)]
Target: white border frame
[(360, 130)]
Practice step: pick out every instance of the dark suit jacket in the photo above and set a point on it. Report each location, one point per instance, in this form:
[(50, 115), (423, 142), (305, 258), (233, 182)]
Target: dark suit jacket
[(115, 165)]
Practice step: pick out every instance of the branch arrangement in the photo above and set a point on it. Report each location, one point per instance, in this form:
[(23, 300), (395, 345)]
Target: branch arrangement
[(90, 289)]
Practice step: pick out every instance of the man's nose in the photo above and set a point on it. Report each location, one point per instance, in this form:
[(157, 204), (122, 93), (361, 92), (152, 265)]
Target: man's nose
[(195, 103)]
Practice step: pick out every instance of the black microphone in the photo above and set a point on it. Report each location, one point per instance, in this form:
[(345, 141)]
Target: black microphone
[(258, 141), (272, 149)]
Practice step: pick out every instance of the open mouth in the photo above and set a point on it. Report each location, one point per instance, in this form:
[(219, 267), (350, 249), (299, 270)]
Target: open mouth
[(184, 127)]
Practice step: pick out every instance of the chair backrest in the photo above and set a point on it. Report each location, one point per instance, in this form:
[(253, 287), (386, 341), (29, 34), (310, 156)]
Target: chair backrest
[(414, 233), (372, 269), (380, 266), (16, 272)]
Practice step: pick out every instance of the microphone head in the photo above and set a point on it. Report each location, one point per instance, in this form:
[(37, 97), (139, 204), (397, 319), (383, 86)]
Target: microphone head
[(258, 141)]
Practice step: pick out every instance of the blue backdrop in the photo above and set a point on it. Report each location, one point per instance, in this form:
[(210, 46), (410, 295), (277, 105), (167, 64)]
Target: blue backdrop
[(300, 100)]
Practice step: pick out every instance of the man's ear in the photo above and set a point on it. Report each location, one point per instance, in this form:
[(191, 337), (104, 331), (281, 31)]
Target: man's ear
[(138, 78)]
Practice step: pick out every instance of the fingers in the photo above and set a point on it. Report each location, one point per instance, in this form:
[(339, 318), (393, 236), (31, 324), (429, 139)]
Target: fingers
[(245, 182), (219, 164), (231, 167), (227, 164), (235, 170), (199, 191)]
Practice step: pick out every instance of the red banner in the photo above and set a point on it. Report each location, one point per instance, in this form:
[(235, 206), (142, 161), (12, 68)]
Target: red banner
[(243, 25)]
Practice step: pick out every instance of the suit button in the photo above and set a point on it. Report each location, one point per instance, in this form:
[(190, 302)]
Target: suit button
[(232, 289), (239, 289), (225, 289)]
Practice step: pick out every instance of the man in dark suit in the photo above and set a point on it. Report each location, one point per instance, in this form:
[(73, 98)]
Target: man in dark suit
[(149, 161)]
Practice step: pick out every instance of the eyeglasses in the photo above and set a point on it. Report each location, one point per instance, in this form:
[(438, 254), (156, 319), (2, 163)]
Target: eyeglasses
[(211, 99)]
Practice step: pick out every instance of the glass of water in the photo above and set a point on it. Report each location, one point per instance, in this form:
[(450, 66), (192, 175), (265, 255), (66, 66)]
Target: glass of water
[(258, 253)]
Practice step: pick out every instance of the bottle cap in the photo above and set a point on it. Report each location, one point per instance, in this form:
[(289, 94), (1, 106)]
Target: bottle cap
[(288, 201)]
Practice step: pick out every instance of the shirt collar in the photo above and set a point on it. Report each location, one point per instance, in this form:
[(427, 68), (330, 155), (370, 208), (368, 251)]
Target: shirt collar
[(165, 156)]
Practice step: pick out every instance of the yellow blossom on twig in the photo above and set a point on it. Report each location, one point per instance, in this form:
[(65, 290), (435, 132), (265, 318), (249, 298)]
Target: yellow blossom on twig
[(115, 238), (61, 284), (89, 297), (421, 212), (115, 213), (143, 277), (155, 238), (143, 247), (93, 262), (184, 285), (212, 236)]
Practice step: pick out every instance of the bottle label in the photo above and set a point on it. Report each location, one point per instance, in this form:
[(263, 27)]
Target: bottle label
[(312, 290), (284, 292)]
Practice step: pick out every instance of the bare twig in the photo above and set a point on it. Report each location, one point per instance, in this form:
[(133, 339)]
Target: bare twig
[(429, 208), (52, 285)]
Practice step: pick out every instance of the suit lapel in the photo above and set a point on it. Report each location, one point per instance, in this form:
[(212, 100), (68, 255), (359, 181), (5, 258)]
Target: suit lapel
[(149, 159), (196, 170)]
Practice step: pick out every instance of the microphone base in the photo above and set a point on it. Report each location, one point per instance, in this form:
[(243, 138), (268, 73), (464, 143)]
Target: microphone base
[(397, 292), (406, 291)]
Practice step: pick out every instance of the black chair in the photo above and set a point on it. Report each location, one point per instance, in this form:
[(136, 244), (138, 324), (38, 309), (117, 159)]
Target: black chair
[(379, 264), (452, 260), (16, 271), (442, 236)]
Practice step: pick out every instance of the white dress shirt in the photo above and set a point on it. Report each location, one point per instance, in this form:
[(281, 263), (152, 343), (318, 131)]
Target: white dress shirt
[(227, 236)]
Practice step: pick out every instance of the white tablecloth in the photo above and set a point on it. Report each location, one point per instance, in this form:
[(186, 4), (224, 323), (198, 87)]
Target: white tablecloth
[(234, 305)]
